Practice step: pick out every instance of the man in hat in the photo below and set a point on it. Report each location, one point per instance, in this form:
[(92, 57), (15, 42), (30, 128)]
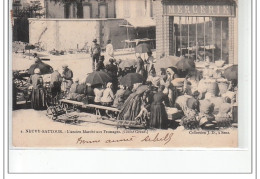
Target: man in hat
[(67, 76), (95, 52)]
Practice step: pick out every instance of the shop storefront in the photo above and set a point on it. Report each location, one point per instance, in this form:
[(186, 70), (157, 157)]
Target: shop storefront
[(197, 29)]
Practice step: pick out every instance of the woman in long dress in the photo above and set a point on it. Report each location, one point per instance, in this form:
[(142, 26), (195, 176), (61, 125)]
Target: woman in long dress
[(38, 98), (132, 105), (119, 101), (158, 116)]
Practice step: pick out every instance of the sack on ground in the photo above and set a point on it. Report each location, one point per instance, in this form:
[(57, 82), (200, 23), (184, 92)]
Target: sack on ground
[(206, 107), (223, 87)]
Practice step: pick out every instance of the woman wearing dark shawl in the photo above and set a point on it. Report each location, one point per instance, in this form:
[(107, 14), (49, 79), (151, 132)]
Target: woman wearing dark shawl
[(132, 105), (159, 117), (38, 99)]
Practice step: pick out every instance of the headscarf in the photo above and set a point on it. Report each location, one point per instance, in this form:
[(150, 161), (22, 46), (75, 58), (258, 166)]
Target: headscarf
[(37, 71), (109, 85)]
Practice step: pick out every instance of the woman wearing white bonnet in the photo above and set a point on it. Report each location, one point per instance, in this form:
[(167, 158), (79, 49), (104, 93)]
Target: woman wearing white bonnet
[(38, 100), (37, 71), (108, 95), (118, 101)]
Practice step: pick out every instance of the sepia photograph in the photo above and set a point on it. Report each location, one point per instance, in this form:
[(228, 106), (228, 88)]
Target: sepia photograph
[(124, 73)]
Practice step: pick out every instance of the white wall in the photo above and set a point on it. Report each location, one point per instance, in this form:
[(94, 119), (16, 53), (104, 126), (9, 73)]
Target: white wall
[(62, 34)]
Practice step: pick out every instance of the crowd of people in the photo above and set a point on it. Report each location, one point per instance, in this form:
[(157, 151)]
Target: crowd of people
[(202, 98)]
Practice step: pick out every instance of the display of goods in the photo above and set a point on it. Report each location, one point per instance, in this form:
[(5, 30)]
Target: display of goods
[(220, 63), (190, 122), (218, 102), (223, 87), (181, 101), (208, 72), (212, 87), (178, 82), (209, 95), (223, 120), (193, 103), (230, 94), (225, 108), (205, 119), (206, 107), (202, 87)]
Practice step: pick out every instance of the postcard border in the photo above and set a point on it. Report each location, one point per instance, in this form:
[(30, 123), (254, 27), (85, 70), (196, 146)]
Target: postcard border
[(7, 107)]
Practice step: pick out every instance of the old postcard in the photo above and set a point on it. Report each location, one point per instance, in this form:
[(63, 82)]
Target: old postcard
[(124, 73)]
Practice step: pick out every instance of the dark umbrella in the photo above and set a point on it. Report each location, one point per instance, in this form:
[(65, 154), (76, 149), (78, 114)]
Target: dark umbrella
[(185, 64), (231, 73), (166, 62), (143, 48), (44, 68), (127, 63), (131, 78), (98, 77)]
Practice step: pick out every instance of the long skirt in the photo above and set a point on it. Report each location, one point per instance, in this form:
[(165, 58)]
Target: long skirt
[(55, 89), (158, 117), (131, 108), (38, 100)]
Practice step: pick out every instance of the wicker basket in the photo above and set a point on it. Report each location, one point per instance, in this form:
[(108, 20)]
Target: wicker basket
[(220, 63), (223, 87), (212, 87)]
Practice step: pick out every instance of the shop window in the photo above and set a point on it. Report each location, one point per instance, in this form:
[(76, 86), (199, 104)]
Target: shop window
[(201, 38)]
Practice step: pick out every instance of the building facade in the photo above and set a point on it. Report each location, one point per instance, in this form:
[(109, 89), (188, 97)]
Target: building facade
[(134, 8), (100, 9), (85, 9), (197, 29)]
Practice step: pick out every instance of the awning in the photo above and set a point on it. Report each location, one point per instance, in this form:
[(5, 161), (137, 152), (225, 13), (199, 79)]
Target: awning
[(140, 22)]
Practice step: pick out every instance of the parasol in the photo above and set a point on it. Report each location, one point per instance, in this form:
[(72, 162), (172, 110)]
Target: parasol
[(44, 68), (166, 62), (231, 73), (131, 78), (98, 77), (127, 63), (185, 64)]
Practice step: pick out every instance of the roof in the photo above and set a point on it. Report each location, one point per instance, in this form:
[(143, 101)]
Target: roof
[(141, 22)]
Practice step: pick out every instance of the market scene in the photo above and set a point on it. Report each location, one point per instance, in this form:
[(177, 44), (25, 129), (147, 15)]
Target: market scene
[(139, 64)]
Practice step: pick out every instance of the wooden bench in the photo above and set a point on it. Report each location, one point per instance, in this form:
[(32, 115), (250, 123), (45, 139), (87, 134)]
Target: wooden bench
[(96, 107)]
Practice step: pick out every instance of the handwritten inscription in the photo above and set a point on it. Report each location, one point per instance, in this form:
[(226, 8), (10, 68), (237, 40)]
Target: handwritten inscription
[(166, 138), (149, 138), (83, 141)]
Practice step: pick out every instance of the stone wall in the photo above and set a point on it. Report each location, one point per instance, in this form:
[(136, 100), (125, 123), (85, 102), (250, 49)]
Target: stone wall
[(64, 34)]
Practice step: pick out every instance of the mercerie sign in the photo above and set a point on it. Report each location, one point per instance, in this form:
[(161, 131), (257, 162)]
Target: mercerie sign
[(199, 10)]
